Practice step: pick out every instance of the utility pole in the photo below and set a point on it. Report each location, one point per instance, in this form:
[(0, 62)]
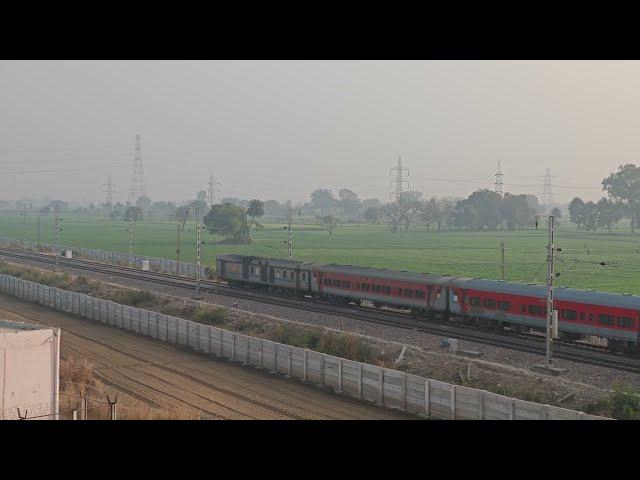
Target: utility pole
[(198, 243), (58, 230), (178, 251), (550, 278), (131, 223), (38, 230), (289, 227), (212, 189), (25, 206), (502, 258)]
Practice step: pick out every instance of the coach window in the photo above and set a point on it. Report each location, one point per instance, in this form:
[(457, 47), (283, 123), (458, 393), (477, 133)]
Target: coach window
[(475, 301), (386, 290), (420, 294), (489, 303), (604, 319), (375, 288), (625, 322), (504, 305), (537, 310), (346, 284), (407, 292), (569, 315)]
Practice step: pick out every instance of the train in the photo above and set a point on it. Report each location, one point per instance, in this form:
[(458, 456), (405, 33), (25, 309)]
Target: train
[(493, 304)]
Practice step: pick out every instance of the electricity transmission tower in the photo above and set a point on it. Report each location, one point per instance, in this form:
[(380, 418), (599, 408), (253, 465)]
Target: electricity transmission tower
[(109, 190), (136, 188), (397, 180), (58, 230), (547, 195), (212, 189), (499, 182)]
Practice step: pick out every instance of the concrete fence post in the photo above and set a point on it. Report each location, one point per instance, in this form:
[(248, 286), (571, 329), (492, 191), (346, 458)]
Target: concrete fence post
[(453, 402), (340, 374), (83, 408), (512, 409), (427, 397), (275, 362), (305, 373), (289, 360), (360, 389), (381, 384), (322, 370), (260, 365), (481, 406), (74, 414), (233, 348), (221, 343), (209, 348), (404, 391)]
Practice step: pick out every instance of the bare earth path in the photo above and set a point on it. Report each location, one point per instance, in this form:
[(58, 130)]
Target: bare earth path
[(159, 373)]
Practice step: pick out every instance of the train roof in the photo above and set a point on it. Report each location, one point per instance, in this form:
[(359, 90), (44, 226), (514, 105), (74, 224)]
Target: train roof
[(276, 262), (592, 297), (385, 273)]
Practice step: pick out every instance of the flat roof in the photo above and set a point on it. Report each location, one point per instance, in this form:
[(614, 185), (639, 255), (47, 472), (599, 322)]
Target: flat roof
[(11, 326)]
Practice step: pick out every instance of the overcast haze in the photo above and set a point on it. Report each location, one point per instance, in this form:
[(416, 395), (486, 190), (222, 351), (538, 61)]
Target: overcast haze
[(282, 129)]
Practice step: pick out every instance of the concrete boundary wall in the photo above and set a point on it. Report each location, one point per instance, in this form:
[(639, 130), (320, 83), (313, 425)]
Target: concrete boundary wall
[(392, 388), (164, 265)]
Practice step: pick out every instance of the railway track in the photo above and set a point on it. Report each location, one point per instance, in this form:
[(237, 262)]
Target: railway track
[(593, 355)]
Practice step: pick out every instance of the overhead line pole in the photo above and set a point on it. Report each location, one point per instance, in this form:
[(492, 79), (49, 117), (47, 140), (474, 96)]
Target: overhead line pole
[(550, 311)]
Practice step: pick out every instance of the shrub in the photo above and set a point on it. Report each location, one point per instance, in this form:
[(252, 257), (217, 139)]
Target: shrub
[(133, 298), (625, 402), (211, 316)]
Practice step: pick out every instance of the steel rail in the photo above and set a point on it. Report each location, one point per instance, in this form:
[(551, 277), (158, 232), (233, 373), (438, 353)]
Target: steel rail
[(578, 353)]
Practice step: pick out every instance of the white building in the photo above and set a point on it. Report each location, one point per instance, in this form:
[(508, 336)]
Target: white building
[(29, 371)]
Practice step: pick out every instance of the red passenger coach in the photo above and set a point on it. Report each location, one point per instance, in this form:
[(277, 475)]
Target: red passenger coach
[(580, 313), (417, 291)]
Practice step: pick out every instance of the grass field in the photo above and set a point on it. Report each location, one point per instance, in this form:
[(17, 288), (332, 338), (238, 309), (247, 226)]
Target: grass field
[(456, 253)]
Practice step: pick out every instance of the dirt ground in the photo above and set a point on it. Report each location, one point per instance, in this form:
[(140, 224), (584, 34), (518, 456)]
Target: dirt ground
[(162, 374)]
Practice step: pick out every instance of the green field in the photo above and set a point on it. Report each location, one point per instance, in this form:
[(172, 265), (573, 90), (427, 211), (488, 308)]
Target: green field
[(456, 253)]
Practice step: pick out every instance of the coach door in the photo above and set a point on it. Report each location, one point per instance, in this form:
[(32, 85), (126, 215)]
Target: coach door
[(245, 269), (263, 273), (272, 275)]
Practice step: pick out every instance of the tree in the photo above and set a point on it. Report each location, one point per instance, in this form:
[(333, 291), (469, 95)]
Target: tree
[(133, 213), (480, 210), (607, 214), (229, 221), (329, 222), (273, 208), (577, 212), (256, 209), (201, 196), (372, 214), (624, 187), (447, 210), (144, 203), (518, 211), (183, 213), (323, 200), (349, 202), (590, 216)]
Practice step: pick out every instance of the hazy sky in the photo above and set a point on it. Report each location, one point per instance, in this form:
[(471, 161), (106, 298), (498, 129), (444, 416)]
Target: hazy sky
[(282, 129)]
